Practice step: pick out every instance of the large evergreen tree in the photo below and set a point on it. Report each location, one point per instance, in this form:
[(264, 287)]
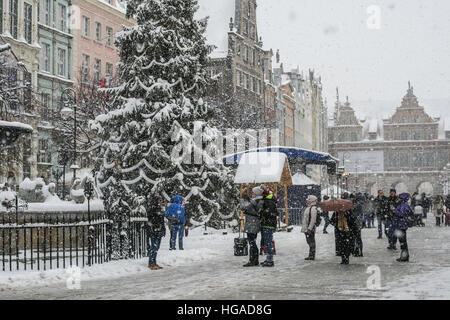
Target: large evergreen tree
[(149, 133)]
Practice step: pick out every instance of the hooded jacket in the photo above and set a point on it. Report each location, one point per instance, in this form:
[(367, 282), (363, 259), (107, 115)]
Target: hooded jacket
[(310, 215), (175, 212), (402, 212)]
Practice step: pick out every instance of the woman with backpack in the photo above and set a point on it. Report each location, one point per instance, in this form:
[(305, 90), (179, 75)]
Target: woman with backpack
[(310, 217)]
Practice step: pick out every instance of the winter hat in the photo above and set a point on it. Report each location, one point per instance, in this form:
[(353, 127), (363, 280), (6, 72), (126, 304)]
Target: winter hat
[(311, 198), (258, 191), (393, 190)]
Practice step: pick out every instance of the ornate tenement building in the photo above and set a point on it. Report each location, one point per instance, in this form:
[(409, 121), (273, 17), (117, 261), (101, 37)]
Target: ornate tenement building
[(244, 92), (407, 151)]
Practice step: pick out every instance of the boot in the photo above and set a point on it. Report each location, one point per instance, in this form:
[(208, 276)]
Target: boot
[(267, 264), (253, 258), (344, 260), (404, 256)]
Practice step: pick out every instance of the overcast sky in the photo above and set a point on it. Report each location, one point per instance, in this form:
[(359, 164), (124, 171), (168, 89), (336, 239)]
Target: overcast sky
[(332, 37)]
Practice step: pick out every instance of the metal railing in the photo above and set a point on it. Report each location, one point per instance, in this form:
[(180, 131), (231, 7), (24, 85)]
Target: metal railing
[(41, 241)]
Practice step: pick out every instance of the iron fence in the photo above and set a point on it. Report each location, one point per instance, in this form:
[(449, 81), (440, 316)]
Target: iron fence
[(42, 241)]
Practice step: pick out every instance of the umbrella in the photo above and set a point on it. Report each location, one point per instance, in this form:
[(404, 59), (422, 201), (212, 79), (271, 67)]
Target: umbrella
[(336, 205)]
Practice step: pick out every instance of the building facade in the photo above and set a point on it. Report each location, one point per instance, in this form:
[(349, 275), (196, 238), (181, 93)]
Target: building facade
[(405, 152), (18, 27), (244, 93), (55, 75)]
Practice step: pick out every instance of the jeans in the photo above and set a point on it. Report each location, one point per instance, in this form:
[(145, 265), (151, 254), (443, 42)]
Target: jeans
[(327, 220), (153, 251), (368, 221), (403, 243), (268, 238), (380, 227), (390, 233), (425, 212), (177, 229), (311, 241)]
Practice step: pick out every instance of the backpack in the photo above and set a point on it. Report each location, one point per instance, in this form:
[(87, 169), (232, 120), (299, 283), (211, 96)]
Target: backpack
[(318, 217)]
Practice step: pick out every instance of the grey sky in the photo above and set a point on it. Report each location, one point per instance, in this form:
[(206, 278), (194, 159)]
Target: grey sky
[(372, 67), (332, 37)]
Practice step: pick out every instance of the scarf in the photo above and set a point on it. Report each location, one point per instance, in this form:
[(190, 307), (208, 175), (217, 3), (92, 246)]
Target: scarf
[(342, 222)]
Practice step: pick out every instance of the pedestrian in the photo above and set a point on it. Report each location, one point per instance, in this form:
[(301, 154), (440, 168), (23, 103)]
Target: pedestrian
[(176, 215), (357, 249), (326, 216), (309, 225), (438, 209), (447, 217), (400, 220), (157, 230), (426, 204), (392, 202), (368, 208), (381, 207), (252, 224), (418, 215), (269, 214), (343, 223)]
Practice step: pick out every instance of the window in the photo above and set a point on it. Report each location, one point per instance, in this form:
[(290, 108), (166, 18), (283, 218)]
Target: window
[(97, 70), (26, 157), (27, 21), (44, 156), (13, 15), (86, 26), (46, 57), (404, 135), (392, 160), (109, 36), (418, 160), (109, 69), (241, 79), (443, 159), (98, 31), (244, 80), (1, 20), (341, 137), (62, 17), (416, 119), (416, 135), (45, 106), (85, 68), (61, 62), (429, 160), (249, 81), (239, 49), (354, 136), (46, 11), (404, 160), (403, 119), (238, 78)]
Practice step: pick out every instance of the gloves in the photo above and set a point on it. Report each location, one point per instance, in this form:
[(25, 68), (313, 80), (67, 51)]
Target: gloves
[(309, 232)]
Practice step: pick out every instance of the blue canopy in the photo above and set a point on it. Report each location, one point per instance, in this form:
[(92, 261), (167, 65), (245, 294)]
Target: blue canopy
[(308, 156)]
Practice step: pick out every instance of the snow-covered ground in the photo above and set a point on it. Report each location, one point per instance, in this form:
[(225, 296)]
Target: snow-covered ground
[(207, 269)]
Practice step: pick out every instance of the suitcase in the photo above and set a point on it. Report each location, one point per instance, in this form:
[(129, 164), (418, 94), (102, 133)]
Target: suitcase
[(240, 246), (274, 249)]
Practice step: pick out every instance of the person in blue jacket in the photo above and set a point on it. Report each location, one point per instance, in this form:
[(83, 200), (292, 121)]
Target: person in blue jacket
[(175, 214)]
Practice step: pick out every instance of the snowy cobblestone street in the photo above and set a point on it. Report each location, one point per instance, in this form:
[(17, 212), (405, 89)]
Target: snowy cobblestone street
[(207, 269)]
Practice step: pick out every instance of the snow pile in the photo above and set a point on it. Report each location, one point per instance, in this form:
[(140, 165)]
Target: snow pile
[(56, 205), (300, 179), (260, 167), (424, 286)]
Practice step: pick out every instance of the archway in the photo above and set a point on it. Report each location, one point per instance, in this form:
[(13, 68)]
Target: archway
[(401, 187), (425, 187)]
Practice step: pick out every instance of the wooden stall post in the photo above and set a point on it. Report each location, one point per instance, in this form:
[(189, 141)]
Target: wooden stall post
[(286, 214), (242, 212)]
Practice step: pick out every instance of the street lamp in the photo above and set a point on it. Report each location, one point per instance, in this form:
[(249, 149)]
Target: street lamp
[(340, 172), (68, 96)]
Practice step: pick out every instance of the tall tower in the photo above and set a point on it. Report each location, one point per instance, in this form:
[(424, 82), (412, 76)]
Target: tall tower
[(245, 19)]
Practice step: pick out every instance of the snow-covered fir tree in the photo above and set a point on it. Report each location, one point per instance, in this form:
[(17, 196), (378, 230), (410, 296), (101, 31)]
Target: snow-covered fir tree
[(149, 133)]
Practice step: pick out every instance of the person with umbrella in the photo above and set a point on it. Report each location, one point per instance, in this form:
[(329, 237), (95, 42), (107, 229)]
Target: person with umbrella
[(343, 222)]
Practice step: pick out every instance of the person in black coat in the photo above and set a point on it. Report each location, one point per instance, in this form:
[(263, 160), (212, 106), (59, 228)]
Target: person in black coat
[(156, 230), (358, 217), (343, 223)]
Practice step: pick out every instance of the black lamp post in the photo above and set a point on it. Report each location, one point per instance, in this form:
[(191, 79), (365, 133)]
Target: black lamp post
[(69, 99)]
